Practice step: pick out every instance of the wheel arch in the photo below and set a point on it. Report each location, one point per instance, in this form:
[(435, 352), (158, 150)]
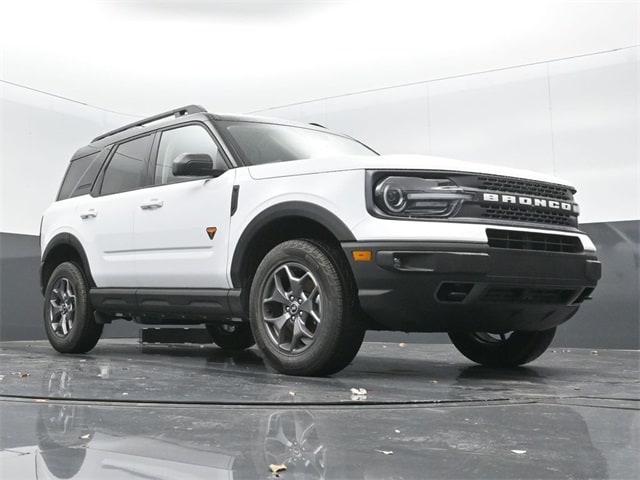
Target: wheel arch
[(282, 222), (63, 247)]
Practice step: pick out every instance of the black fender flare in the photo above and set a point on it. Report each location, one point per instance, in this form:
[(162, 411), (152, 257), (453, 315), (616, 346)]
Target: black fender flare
[(70, 240), (307, 210)]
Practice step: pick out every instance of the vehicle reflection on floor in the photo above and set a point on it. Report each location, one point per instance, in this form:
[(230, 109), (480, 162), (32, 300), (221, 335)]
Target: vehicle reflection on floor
[(85, 441), (151, 441), (190, 412)]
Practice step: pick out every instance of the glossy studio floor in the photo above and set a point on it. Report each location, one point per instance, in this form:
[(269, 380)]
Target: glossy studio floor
[(399, 411)]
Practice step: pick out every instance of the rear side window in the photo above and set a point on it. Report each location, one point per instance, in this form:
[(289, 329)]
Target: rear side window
[(80, 176), (127, 166)]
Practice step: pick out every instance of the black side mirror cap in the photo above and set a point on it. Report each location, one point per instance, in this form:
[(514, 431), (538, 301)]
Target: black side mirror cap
[(196, 165)]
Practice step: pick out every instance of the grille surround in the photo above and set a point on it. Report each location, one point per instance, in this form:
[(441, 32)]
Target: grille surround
[(509, 213)]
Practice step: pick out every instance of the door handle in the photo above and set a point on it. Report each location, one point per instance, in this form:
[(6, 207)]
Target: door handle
[(89, 213), (151, 204)]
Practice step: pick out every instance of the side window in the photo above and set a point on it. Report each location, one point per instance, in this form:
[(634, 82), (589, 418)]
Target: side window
[(189, 139), (80, 174), (127, 166)]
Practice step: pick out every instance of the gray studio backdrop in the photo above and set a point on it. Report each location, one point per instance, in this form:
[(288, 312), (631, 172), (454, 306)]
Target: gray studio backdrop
[(575, 118)]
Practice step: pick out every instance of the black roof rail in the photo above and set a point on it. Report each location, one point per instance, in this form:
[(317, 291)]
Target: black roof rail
[(177, 112), (317, 125)]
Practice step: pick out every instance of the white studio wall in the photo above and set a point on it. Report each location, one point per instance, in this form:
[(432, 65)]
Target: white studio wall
[(38, 134), (575, 118)]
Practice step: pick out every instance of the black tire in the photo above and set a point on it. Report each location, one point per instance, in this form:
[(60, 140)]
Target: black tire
[(68, 317), (232, 337), (305, 285), (508, 350)]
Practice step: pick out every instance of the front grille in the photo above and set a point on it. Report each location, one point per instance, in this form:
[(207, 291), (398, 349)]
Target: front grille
[(524, 187), (544, 242), (529, 295), (528, 215), (521, 213)]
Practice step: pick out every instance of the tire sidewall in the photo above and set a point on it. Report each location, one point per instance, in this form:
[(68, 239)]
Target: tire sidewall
[(74, 275), (333, 306)]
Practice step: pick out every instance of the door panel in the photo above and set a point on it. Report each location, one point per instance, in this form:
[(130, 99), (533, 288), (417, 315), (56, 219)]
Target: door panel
[(107, 227), (173, 248)]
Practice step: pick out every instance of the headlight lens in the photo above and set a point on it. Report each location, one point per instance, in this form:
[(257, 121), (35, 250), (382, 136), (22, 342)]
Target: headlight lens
[(418, 197), (393, 198)]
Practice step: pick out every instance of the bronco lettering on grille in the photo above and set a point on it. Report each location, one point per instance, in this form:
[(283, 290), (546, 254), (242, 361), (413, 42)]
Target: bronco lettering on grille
[(530, 202)]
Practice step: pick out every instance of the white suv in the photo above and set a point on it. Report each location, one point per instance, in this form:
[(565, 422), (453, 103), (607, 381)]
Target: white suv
[(302, 239)]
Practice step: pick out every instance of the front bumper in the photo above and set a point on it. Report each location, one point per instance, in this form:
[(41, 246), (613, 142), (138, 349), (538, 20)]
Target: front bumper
[(442, 287)]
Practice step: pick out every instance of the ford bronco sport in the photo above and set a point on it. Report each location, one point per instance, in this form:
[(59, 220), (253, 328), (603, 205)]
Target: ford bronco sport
[(302, 239)]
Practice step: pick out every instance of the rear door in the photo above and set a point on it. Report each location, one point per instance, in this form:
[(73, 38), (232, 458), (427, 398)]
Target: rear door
[(106, 219), (182, 223)]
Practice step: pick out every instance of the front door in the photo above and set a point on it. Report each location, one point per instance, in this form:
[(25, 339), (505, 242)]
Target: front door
[(182, 224)]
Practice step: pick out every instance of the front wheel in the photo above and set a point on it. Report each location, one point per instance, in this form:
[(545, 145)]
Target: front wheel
[(303, 310), (68, 317), (502, 350)]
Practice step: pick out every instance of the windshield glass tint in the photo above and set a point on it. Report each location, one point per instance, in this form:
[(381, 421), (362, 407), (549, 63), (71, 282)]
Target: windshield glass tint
[(262, 143)]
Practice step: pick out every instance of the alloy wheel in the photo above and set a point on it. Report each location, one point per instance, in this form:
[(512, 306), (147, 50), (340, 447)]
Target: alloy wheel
[(62, 307), (292, 307)]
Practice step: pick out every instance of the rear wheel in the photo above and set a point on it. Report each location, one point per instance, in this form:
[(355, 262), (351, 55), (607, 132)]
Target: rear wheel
[(502, 350), (303, 309), (68, 317), (232, 337)]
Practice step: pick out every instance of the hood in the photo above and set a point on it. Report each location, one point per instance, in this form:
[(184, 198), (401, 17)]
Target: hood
[(395, 162)]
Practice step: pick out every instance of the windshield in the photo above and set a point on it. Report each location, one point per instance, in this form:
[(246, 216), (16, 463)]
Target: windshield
[(260, 143)]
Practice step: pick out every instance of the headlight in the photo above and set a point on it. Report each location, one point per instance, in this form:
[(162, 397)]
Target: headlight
[(418, 197)]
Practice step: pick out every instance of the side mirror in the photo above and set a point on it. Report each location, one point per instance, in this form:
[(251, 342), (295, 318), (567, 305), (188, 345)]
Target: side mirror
[(196, 165)]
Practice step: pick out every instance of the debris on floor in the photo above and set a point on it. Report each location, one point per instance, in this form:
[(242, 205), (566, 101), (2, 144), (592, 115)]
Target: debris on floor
[(277, 468), (358, 394), (385, 452)]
